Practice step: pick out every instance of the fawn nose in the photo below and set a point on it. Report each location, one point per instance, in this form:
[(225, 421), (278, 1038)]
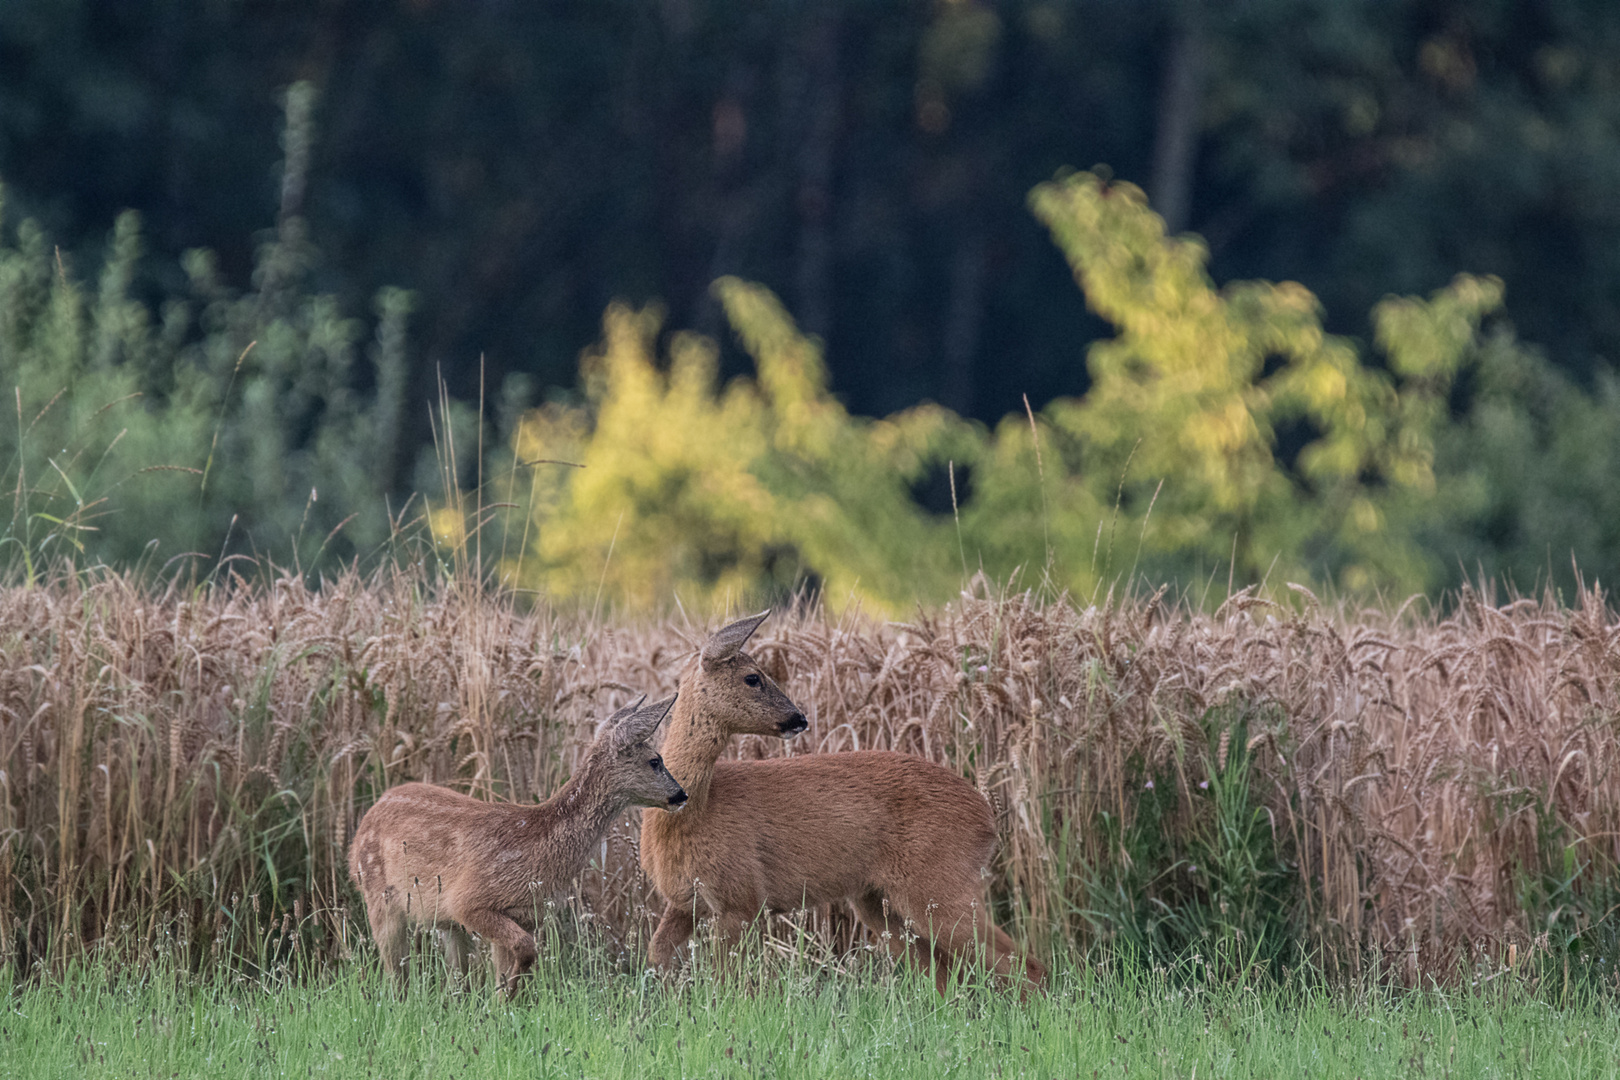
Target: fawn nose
[(793, 724), (677, 799)]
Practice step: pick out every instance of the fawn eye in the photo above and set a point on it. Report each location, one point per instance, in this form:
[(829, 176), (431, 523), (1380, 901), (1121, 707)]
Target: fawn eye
[(751, 679)]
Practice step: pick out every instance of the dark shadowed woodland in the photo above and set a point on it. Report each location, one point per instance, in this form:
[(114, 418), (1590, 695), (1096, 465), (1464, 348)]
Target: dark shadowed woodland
[(456, 201)]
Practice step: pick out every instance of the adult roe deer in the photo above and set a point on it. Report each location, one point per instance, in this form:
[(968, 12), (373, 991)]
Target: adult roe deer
[(904, 841), (428, 856)]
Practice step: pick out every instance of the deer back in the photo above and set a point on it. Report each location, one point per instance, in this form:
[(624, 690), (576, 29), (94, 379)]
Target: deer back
[(820, 828)]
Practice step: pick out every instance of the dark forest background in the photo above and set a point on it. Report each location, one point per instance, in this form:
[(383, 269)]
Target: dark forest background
[(520, 165), (242, 243)]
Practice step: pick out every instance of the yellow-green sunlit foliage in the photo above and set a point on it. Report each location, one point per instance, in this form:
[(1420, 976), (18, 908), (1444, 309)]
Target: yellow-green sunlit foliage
[(1169, 464), (693, 490), (1187, 401)]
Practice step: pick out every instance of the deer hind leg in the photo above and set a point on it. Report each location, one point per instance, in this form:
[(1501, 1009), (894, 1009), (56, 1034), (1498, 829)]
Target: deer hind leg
[(963, 933), (512, 946), (890, 927), (1009, 960)]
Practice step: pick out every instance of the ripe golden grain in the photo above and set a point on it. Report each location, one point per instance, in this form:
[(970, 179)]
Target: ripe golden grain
[(160, 748)]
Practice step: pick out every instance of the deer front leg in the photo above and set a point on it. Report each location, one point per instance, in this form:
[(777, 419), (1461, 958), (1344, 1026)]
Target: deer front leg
[(674, 931), (728, 932), (725, 937)]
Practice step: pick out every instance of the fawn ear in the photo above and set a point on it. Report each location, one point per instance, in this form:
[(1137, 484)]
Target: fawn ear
[(639, 725), (729, 640), (612, 723)]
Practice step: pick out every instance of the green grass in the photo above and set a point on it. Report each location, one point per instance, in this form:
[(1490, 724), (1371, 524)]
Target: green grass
[(99, 1020)]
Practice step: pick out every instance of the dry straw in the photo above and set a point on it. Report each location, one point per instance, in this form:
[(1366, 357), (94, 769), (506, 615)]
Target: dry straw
[(196, 758)]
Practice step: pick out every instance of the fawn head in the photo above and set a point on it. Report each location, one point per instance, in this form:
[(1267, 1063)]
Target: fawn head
[(635, 768), (740, 696)]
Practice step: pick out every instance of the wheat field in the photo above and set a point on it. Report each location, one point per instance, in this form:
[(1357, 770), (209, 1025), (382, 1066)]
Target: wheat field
[(186, 763)]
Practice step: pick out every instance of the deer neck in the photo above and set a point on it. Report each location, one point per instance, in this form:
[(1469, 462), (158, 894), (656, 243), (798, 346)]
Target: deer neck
[(692, 746), (579, 814)]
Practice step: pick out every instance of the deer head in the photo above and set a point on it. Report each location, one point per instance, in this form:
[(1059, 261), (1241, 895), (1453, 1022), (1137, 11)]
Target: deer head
[(635, 769), (736, 693)]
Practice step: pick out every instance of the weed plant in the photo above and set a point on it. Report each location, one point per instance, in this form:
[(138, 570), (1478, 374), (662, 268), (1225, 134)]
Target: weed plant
[(1201, 872)]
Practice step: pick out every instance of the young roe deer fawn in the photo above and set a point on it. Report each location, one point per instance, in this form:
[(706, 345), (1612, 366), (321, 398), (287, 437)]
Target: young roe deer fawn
[(431, 857), (904, 841)]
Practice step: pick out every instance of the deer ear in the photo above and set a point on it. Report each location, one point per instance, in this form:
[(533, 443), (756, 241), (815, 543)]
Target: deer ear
[(612, 723), (729, 640), (640, 725)]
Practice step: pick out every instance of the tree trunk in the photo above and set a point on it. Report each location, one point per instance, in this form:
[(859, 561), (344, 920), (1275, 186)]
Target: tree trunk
[(1181, 99), (816, 154), (965, 319)]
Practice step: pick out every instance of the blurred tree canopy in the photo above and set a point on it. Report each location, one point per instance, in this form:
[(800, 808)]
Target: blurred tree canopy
[(212, 426), (521, 166), (682, 164), (1175, 452)]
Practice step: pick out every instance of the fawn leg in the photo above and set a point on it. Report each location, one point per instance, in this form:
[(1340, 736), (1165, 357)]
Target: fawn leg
[(512, 945), (457, 946), (501, 957)]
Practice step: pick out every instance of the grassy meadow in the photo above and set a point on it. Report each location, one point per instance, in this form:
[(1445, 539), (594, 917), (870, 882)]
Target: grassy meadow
[(96, 1021)]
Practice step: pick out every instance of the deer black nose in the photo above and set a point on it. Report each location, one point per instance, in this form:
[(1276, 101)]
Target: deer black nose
[(677, 799), (793, 724)]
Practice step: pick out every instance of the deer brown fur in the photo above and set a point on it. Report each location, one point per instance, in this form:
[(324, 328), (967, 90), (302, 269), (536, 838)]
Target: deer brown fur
[(426, 856), (903, 841)]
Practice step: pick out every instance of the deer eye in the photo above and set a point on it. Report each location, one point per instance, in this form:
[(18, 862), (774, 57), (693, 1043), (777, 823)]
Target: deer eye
[(751, 679), (655, 762)]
